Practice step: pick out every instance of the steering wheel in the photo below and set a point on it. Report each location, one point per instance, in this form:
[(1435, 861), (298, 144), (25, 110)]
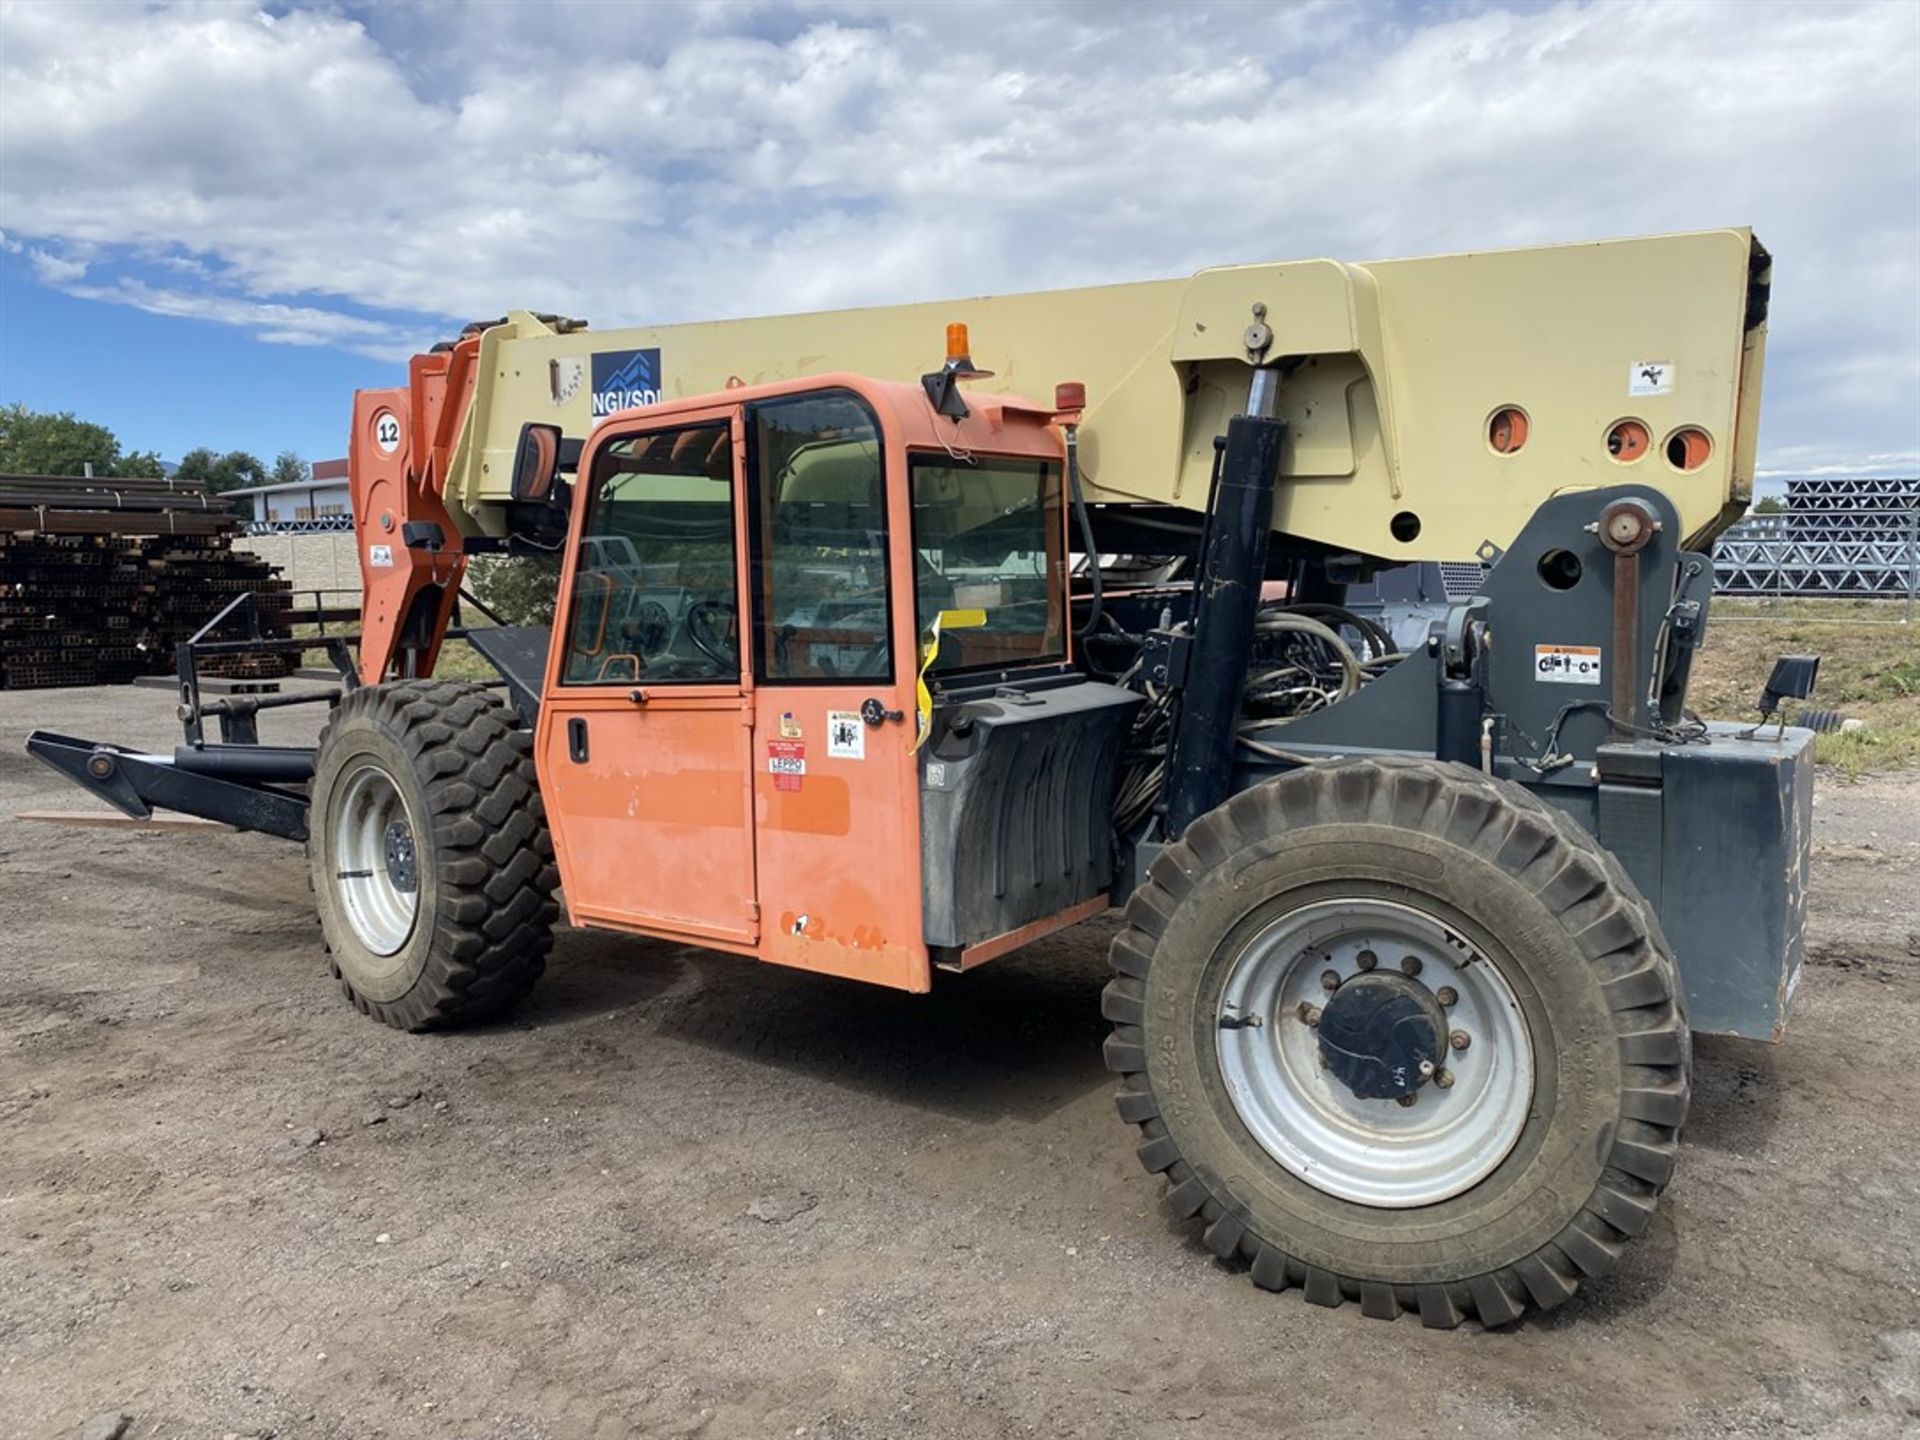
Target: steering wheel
[(715, 646), (648, 628)]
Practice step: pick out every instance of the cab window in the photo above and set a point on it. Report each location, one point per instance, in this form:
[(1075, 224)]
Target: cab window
[(987, 535), (653, 590), (819, 558)]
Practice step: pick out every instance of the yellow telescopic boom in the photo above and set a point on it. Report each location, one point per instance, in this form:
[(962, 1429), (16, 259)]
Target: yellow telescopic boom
[(1432, 404)]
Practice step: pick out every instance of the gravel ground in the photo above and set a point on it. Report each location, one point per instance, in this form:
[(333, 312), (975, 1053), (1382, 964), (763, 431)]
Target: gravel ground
[(681, 1194)]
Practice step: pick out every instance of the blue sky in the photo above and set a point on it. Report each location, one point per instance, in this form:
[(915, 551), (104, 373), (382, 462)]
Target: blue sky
[(217, 219), (169, 384)]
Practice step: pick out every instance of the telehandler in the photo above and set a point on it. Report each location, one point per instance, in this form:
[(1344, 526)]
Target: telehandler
[(877, 676)]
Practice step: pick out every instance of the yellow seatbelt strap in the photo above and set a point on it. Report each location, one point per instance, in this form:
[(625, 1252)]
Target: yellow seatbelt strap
[(923, 697)]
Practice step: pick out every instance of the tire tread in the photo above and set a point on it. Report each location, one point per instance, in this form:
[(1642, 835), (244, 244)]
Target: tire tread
[(1605, 914), (493, 925)]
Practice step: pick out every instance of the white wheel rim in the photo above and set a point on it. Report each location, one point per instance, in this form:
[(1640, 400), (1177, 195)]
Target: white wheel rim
[(375, 860), (1375, 1151)]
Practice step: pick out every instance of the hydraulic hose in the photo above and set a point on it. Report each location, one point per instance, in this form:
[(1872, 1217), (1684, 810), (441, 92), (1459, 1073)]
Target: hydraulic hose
[(1086, 530)]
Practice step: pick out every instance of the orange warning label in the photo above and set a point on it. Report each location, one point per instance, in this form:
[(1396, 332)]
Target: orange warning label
[(787, 761), (1567, 664)]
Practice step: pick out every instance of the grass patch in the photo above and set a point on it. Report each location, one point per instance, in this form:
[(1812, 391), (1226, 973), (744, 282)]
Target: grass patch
[(458, 660), (1869, 669)]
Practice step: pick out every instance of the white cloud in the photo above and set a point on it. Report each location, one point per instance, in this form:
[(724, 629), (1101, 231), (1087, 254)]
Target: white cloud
[(55, 270), (294, 175), (275, 323)]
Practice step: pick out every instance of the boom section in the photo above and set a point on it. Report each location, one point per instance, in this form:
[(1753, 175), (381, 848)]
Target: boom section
[(1431, 404)]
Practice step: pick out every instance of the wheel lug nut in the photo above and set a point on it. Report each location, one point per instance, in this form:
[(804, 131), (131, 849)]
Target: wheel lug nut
[(1309, 1014), (1410, 965), (1366, 959), (1444, 1079), (1460, 1040), (1330, 980), (1408, 1101), (1447, 995)]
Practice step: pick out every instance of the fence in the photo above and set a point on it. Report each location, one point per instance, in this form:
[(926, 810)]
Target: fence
[(1837, 539)]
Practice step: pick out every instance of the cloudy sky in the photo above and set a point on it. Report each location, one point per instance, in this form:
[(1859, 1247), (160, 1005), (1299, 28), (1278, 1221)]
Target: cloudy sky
[(218, 218)]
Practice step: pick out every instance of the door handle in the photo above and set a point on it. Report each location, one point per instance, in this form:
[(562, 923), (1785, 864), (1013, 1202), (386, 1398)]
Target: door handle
[(875, 713), (577, 739)]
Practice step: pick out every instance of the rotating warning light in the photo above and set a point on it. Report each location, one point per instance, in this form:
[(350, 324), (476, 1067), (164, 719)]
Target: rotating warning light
[(942, 385), (960, 355)]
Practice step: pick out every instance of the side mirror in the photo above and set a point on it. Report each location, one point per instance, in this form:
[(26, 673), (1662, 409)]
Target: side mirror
[(536, 461)]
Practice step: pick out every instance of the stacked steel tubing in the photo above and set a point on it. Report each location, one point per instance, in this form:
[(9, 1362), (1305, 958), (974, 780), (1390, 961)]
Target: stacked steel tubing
[(100, 578)]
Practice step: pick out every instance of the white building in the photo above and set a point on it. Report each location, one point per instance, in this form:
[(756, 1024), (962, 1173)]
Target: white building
[(318, 504)]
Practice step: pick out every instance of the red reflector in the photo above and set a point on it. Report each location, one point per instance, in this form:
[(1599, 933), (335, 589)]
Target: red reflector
[(1070, 395)]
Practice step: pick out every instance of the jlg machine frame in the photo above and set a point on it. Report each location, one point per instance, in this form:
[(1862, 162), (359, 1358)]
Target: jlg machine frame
[(878, 678)]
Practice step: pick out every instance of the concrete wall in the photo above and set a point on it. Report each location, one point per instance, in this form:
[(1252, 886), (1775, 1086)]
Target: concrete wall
[(322, 562)]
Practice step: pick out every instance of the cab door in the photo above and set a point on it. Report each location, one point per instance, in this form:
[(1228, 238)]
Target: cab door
[(831, 631), (643, 742)]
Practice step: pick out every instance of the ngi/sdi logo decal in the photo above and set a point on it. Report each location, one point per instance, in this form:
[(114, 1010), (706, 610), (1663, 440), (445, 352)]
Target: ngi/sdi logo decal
[(623, 379)]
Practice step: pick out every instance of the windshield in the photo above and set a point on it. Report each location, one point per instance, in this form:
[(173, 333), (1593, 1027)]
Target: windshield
[(987, 535)]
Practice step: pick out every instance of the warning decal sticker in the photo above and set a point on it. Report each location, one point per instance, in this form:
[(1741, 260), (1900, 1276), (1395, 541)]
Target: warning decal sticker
[(1650, 377), (846, 735), (1567, 664), (787, 762)]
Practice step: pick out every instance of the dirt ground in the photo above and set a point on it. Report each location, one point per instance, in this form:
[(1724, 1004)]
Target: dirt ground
[(680, 1194)]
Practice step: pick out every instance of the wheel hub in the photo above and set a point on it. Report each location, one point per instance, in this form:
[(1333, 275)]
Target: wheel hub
[(377, 859), (402, 864), (1374, 1052), (1382, 1035)]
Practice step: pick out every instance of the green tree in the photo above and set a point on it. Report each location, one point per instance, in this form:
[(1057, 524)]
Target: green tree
[(1770, 505), (197, 465), (34, 442), (232, 471), (141, 462), (520, 588), (290, 469)]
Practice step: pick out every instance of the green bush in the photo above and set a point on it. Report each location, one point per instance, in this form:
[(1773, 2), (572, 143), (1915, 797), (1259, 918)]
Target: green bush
[(520, 588)]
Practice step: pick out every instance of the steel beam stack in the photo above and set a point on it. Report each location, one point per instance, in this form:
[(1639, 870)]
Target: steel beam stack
[(1836, 537), (100, 579)]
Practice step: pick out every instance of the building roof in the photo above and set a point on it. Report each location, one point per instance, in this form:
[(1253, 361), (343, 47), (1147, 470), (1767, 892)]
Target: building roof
[(317, 483)]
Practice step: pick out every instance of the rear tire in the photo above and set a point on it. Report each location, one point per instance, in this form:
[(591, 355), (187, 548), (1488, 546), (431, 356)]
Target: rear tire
[(432, 866), (1565, 1120)]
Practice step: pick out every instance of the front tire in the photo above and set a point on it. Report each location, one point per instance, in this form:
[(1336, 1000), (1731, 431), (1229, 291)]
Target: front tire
[(1517, 1124), (432, 867)]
